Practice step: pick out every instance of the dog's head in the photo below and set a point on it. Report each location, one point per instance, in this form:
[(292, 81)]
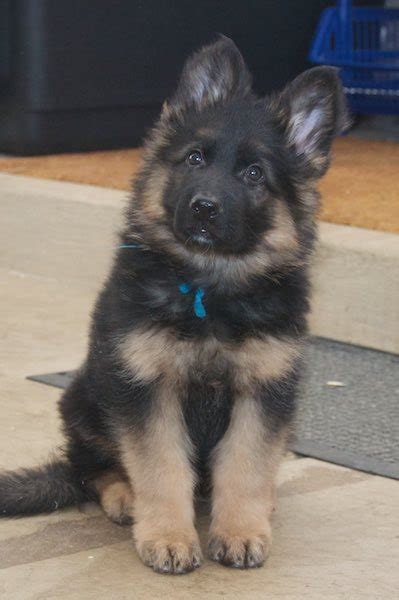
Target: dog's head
[(228, 174)]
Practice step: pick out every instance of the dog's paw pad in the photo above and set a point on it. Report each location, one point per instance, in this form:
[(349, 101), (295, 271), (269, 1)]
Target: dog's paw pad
[(173, 557), (239, 552)]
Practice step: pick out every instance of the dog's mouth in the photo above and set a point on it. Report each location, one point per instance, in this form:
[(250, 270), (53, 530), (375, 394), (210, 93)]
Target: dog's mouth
[(200, 238)]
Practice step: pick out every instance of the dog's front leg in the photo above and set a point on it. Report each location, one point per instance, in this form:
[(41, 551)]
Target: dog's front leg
[(244, 467), (157, 460)]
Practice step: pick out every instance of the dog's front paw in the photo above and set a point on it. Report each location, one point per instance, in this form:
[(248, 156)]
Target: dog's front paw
[(240, 552), (171, 554)]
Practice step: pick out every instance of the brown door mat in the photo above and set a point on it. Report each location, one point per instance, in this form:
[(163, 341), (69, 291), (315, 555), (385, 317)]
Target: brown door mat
[(361, 188)]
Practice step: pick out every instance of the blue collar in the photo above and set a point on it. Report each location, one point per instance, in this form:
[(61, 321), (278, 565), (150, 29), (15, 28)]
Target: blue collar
[(199, 308), (184, 288)]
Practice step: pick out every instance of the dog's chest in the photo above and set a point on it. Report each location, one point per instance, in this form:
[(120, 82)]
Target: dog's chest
[(205, 375), (199, 373), (207, 404), (158, 354), (205, 385)]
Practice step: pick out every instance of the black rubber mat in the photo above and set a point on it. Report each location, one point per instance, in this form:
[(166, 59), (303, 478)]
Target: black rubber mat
[(348, 408), (355, 424)]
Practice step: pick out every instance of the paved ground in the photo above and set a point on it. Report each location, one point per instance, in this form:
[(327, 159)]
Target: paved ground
[(336, 530)]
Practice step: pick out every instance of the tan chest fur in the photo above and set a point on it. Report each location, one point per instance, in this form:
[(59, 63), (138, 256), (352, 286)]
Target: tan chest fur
[(153, 353)]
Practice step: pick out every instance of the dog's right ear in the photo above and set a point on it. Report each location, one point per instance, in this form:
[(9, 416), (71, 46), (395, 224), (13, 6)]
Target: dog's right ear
[(211, 75), (314, 111)]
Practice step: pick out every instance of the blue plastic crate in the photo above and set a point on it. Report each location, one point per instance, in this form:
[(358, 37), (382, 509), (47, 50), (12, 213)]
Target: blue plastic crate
[(364, 43)]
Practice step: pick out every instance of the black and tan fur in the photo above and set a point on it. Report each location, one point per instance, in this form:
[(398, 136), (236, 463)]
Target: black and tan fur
[(167, 401)]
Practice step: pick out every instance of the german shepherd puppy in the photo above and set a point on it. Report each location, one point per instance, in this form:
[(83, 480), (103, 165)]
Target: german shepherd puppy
[(196, 337)]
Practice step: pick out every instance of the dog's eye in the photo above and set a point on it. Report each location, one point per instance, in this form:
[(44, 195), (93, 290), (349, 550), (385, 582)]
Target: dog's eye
[(195, 158), (254, 173)]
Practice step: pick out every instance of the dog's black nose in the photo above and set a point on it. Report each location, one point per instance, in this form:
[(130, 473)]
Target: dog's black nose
[(204, 209)]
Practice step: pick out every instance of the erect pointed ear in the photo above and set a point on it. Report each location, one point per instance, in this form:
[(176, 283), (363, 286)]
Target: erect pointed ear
[(314, 111), (211, 75)]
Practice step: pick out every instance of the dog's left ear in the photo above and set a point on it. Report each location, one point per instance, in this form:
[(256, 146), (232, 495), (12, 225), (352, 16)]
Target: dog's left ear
[(314, 111), (211, 75)]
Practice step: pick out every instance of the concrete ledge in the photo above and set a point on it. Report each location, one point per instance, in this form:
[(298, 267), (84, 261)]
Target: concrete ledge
[(356, 287), (66, 232), (49, 189), (60, 231)]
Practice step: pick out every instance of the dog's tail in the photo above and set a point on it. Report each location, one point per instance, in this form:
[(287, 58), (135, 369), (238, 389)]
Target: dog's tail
[(40, 490)]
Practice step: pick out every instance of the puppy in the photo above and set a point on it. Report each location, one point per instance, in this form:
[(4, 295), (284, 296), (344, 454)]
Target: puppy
[(196, 336)]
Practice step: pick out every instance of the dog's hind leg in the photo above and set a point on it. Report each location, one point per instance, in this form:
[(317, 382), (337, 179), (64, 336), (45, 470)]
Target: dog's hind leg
[(115, 496)]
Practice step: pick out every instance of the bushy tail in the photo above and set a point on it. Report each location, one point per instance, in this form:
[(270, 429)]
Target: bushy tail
[(40, 490)]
